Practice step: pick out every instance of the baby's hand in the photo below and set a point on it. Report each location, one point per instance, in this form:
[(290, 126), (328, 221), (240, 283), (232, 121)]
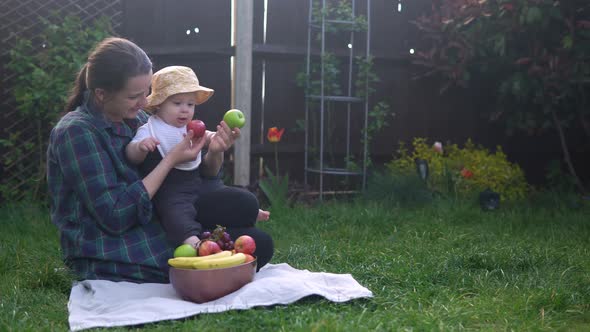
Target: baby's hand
[(148, 144)]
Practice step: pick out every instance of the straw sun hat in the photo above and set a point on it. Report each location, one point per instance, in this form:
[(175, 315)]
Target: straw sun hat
[(172, 80)]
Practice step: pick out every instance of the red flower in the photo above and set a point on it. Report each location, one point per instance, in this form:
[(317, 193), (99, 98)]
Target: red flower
[(507, 6), (466, 173), (274, 134)]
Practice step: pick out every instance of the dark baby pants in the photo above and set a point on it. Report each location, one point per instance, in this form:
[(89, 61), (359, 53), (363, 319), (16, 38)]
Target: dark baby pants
[(187, 204)]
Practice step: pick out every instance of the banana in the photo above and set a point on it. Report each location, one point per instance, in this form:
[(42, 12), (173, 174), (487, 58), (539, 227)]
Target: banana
[(220, 254), (187, 262), (219, 263)]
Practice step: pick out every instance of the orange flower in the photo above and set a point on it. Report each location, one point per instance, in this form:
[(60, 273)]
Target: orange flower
[(274, 134), (466, 173)]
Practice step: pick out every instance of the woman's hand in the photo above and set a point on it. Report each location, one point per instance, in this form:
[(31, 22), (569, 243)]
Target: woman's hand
[(224, 138), (187, 150), (219, 142)]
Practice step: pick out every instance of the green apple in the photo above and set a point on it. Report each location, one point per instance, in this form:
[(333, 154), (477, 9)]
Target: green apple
[(185, 250), (234, 118)]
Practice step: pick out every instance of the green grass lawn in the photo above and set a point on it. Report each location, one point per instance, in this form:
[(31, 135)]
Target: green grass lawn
[(444, 267)]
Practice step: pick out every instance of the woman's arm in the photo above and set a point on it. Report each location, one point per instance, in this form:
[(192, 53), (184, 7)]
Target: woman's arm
[(219, 142), (86, 161), (90, 170), (186, 150), (211, 164)]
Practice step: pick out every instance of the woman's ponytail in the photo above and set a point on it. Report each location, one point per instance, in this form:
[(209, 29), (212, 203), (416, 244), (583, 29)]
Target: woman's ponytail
[(77, 94), (110, 64)]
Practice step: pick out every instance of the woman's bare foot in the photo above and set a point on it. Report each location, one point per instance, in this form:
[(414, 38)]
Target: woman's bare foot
[(262, 215)]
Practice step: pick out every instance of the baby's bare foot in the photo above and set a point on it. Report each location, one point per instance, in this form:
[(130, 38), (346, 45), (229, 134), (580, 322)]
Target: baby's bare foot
[(262, 215)]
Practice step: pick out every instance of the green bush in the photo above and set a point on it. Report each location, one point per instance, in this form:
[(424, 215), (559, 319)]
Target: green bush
[(463, 171), (44, 70)]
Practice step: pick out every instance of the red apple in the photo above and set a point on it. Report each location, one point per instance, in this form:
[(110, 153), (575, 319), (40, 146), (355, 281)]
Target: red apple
[(208, 248), (249, 258), (198, 128), (245, 244)]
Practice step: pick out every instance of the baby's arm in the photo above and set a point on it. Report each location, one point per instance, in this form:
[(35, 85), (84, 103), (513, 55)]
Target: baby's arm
[(136, 151)]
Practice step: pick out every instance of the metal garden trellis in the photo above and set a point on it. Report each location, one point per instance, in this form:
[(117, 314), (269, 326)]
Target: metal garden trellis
[(323, 99)]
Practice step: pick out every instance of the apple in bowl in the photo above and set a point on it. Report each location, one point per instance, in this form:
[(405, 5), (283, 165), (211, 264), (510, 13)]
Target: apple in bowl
[(245, 244)]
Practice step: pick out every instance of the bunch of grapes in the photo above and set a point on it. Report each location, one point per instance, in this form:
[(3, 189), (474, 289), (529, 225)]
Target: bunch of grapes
[(220, 236)]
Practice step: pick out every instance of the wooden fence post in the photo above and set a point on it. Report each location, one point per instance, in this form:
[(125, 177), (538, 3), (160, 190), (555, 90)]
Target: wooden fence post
[(244, 16)]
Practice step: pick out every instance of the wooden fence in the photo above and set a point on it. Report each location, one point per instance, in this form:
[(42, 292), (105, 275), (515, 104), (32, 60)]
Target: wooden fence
[(199, 34)]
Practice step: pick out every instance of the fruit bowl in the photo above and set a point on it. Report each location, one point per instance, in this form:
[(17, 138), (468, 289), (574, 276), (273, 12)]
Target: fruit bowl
[(202, 286)]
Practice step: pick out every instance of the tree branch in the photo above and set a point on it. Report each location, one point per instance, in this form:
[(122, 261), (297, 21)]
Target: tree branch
[(566, 154)]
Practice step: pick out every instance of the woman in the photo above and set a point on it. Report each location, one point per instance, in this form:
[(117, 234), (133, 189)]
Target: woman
[(99, 203)]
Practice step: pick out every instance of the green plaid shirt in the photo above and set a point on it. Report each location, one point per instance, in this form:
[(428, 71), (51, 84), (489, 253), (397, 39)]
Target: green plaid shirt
[(99, 203)]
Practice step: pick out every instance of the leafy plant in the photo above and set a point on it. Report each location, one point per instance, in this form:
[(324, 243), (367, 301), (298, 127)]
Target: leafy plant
[(378, 120), (276, 189), (44, 72), (535, 51), (331, 78), (366, 78), (340, 10), (462, 171), (557, 179)]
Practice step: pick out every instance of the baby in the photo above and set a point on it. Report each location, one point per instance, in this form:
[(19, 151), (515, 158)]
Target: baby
[(175, 93)]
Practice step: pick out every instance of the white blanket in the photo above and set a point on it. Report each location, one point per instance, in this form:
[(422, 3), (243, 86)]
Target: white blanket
[(101, 303)]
